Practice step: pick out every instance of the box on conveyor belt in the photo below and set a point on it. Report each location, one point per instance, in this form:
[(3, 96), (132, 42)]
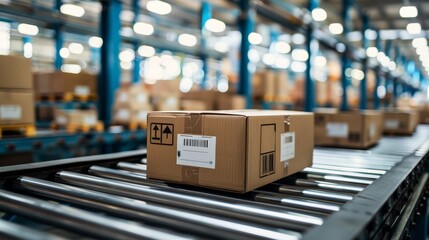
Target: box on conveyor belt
[(424, 115), (81, 84), (66, 117), (15, 73), (354, 129), (400, 121), (16, 107), (229, 150)]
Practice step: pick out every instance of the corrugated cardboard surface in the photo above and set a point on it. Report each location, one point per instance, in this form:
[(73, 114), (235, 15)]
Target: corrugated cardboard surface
[(23, 100), (61, 82), (364, 128), (15, 73), (406, 121), (231, 101), (65, 117), (424, 115), (241, 138), (42, 83)]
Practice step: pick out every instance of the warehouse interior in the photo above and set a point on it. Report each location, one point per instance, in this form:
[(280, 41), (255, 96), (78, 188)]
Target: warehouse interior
[(214, 119)]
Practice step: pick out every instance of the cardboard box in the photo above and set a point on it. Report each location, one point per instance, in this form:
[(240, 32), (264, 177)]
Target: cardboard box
[(192, 105), (347, 129), (166, 88), (264, 85), (66, 117), (42, 83), (207, 96), (82, 84), (231, 102), (15, 73), (400, 121), (45, 113), (16, 107), (235, 151), (126, 115), (167, 104), (134, 98)]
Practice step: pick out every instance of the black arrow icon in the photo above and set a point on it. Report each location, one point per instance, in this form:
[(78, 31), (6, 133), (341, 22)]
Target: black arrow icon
[(167, 131), (156, 129)]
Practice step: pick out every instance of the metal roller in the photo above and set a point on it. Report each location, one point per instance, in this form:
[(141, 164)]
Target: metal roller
[(341, 173), (349, 169), (321, 184), (343, 163), (9, 230), (143, 161), (283, 219), (74, 219), (135, 167), (312, 193), (196, 223)]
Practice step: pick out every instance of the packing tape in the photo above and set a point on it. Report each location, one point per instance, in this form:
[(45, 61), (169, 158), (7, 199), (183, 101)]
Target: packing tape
[(193, 125)]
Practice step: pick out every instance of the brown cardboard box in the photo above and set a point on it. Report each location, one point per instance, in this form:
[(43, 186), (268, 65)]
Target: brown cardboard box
[(167, 104), (400, 121), (16, 107), (264, 85), (192, 105), (134, 98), (347, 129), (45, 113), (282, 91), (67, 117), (230, 102), (127, 116), (166, 88), (61, 82), (207, 96), (15, 73), (230, 150), (424, 116), (42, 83)]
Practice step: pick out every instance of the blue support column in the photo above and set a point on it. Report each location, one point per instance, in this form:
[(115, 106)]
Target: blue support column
[(205, 14), (395, 79), (377, 74), (363, 83), (137, 59), (345, 60), (59, 40), (246, 24), (109, 76), (309, 99), (387, 77)]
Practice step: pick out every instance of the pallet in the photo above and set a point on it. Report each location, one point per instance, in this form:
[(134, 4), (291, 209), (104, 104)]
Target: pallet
[(74, 128), (65, 97), (27, 130), (133, 125)]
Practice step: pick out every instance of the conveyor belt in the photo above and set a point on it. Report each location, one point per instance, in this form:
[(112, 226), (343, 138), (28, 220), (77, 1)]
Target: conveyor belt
[(346, 194)]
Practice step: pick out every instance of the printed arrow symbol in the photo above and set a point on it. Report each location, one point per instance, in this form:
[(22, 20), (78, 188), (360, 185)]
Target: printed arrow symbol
[(167, 131), (156, 129)]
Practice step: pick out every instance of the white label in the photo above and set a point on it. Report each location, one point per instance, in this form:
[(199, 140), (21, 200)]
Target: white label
[(372, 129), (123, 97), (81, 90), (196, 151), (391, 124), (335, 129), (89, 120), (61, 120), (142, 115), (287, 146), (123, 114), (10, 112)]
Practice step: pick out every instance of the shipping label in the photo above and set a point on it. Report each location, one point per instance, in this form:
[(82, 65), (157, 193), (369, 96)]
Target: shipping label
[(11, 112), (336, 129), (287, 146), (196, 151)]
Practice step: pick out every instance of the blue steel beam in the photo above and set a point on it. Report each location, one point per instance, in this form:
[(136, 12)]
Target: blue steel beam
[(395, 79), (205, 14), (108, 81), (246, 24), (59, 38), (387, 49), (345, 60), (309, 100), (363, 83), (377, 74), (137, 59)]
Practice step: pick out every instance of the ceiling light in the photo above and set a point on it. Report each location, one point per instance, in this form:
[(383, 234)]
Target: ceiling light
[(282, 47), (143, 28), (127, 55), (158, 7), (146, 51), (28, 50), (300, 55), (126, 16), (298, 38), (214, 25), (282, 62), (408, 12), (391, 66), (126, 65), (371, 52), (95, 42), (380, 56), (336, 28), (187, 40), (71, 68), (422, 50), (28, 29), (414, 28), (298, 67), (221, 47), (418, 42), (76, 48), (268, 59), (255, 38), (357, 74), (64, 52), (72, 10), (371, 34), (320, 61), (253, 56), (319, 14)]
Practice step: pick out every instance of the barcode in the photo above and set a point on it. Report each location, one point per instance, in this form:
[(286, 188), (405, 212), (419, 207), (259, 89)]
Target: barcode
[(287, 139), (195, 143), (267, 164)]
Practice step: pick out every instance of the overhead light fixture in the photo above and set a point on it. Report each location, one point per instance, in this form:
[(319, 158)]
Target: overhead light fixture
[(64, 52), (282, 62), (419, 42), (127, 55), (126, 65), (253, 56), (187, 40), (422, 50), (282, 47), (28, 29), (414, 28), (268, 59), (215, 25), (371, 52), (158, 7), (391, 66), (28, 50), (298, 38), (76, 48), (371, 34), (357, 74), (95, 42), (143, 28), (319, 14), (255, 38), (146, 51), (336, 28), (72, 10), (300, 55), (71, 68), (408, 12), (320, 61), (298, 67), (221, 47)]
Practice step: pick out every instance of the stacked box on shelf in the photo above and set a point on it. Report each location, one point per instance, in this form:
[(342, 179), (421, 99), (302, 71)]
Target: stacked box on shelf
[(16, 95), (354, 129), (215, 100), (74, 120), (165, 95), (132, 103), (400, 121)]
